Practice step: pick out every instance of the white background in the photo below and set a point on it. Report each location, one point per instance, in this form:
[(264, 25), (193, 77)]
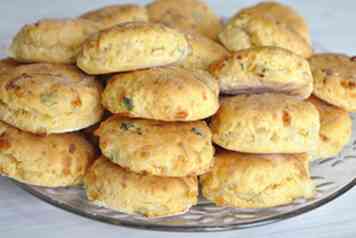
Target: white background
[(332, 25)]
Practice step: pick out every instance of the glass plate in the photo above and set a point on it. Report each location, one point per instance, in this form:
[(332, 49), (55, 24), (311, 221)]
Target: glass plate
[(332, 178)]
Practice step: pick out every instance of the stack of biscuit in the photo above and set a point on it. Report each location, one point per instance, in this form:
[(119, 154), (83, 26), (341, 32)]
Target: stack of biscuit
[(158, 71)]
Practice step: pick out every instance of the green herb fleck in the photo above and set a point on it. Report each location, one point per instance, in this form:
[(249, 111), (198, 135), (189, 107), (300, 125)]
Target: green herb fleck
[(197, 131), (48, 99), (128, 126), (127, 102), (242, 66)]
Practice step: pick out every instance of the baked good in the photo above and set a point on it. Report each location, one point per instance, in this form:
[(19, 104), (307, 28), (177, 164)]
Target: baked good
[(111, 186), (248, 30), (335, 79), (266, 123), (204, 52), (167, 94), (282, 14), (112, 15), (51, 40), (264, 69), (51, 161), (335, 129), (193, 15), (49, 98), (130, 46), (257, 181), (7, 65), (172, 149)]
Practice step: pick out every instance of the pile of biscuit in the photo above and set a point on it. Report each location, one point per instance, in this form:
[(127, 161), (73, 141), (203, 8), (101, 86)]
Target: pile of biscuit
[(158, 85)]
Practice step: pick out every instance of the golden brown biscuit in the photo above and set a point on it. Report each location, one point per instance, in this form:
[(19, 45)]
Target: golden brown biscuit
[(49, 98), (131, 46), (159, 148), (112, 15), (193, 15), (282, 14), (204, 52), (166, 94), (52, 161), (247, 31), (51, 40), (7, 64), (266, 123), (257, 181), (335, 129), (335, 79), (111, 186), (264, 69)]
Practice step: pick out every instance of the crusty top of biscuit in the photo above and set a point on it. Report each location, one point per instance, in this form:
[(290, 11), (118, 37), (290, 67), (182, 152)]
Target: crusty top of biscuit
[(49, 89), (112, 15), (186, 15)]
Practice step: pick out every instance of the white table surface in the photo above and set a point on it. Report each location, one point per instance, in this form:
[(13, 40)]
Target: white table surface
[(21, 215)]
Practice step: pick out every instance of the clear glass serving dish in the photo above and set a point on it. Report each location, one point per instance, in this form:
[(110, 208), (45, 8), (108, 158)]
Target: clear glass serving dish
[(332, 178)]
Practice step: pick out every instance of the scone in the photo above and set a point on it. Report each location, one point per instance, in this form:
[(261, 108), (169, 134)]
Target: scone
[(335, 129), (335, 79), (166, 94), (111, 186), (158, 148), (130, 46), (112, 15), (266, 123), (49, 98), (193, 15), (204, 52), (248, 30), (51, 161), (264, 69), (6, 65), (51, 40), (282, 14), (257, 181)]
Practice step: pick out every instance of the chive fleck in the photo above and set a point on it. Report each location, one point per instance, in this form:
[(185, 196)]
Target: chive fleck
[(127, 102), (197, 131), (126, 126)]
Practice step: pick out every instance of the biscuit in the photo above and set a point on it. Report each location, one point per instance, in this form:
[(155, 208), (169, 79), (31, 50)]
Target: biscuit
[(335, 79), (257, 181), (335, 129), (282, 14), (264, 69), (111, 186), (7, 65), (131, 46), (193, 15), (204, 52), (166, 94), (248, 31), (112, 15), (49, 98), (266, 123), (51, 161), (173, 149), (51, 40)]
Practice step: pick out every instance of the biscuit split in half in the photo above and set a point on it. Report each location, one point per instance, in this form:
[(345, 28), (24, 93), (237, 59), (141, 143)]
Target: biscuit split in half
[(282, 14), (266, 123), (7, 65), (156, 147), (192, 15), (335, 129), (111, 186), (131, 46), (166, 94), (112, 15), (51, 161), (335, 79), (49, 98), (264, 69), (247, 30), (257, 181), (51, 40)]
